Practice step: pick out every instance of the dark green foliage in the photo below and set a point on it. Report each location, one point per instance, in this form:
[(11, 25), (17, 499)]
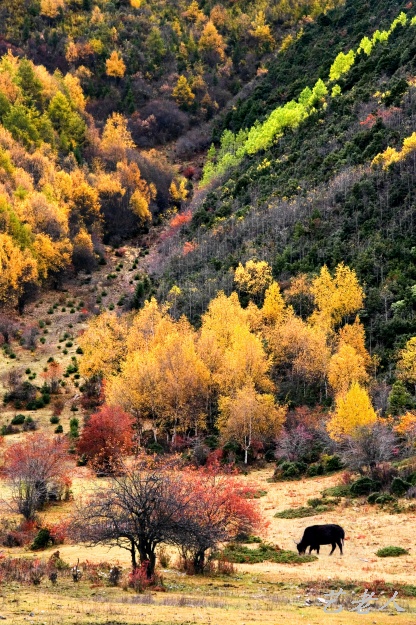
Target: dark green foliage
[(332, 463), (372, 498), (248, 539), (399, 486), (54, 419), (342, 490), (293, 470), (296, 513), (74, 428), (400, 399), (315, 469), (41, 540), (364, 486), (18, 419), (385, 498), (264, 553), (387, 552)]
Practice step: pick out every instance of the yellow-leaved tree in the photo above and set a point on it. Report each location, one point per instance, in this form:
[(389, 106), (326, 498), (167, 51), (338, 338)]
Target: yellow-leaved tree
[(116, 138), (336, 297), (254, 278), (115, 66), (211, 44), (163, 378), (345, 367), (182, 93), (51, 256), (234, 355), (274, 309), (17, 268), (248, 416), (103, 344), (352, 411), (353, 334), (299, 349), (406, 364), (51, 8)]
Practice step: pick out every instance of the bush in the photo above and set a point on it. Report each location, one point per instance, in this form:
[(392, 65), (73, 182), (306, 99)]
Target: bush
[(399, 486), (385, 498), (58, 406), (54, 419), (412, 478), (342, 490), (332, 463), (316, 501), (315, 469), (59, 429), (391, 552), (238, 554), (8, 429), (41, 540), (296, 513), (293, 470), (18, 419), (29, 425), (372, 498), (364, 486)]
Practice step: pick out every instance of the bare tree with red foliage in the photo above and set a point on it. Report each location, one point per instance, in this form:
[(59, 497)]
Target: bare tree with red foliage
[(139, 509), (106, 437), (222, 508), (154, 502), (37, 470)]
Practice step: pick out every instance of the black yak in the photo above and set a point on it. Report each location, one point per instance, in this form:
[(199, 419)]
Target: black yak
[(316, 535)]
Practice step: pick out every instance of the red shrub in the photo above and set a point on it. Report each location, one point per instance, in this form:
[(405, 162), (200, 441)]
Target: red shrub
[(180, 219), (189, 172), (189, 246), (106, 437)]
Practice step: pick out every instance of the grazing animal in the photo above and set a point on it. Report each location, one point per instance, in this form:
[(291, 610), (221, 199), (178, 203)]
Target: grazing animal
[(316, 535)]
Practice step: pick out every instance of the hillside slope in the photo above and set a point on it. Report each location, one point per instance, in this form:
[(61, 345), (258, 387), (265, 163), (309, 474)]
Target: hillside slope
[(309, 194)]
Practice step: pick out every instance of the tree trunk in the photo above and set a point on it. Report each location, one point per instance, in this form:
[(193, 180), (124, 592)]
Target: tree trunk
[(133, 557), (246, 455), (199, 562), (147, 554)]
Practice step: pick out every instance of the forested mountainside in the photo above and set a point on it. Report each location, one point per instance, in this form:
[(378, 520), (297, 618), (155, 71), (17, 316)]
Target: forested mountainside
[(82, 85), (315, 167), (168, 65), (303, 207)]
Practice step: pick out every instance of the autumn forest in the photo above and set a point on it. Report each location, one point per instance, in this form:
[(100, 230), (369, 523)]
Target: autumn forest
[(207, 305)]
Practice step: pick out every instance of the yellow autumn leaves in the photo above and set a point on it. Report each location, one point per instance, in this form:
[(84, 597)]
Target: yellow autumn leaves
[(179, 379), (50, 214)]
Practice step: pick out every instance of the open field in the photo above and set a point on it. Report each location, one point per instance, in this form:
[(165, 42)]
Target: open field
[(256, 593)]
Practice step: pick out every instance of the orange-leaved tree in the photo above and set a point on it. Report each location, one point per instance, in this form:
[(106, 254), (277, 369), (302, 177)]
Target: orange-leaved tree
[(106, 437)]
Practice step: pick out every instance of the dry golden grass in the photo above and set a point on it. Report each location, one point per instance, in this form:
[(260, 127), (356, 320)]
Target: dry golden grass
[(260, 593), (107, 607)]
